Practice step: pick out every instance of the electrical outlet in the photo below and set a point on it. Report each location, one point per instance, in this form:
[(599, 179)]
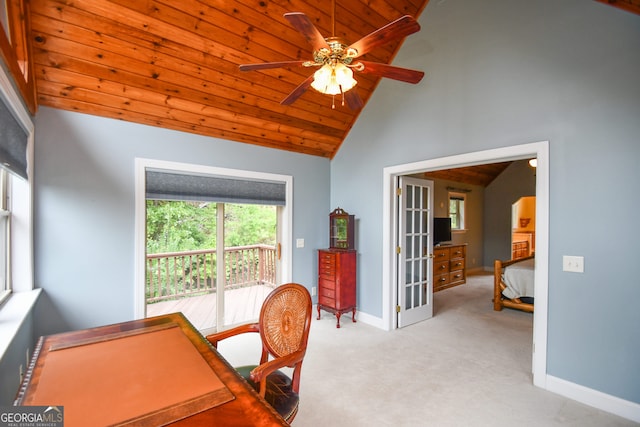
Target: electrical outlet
[(574, 264), (313, 291)]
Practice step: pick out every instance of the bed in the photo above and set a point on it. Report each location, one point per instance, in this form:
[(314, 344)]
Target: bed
[(513, 284)]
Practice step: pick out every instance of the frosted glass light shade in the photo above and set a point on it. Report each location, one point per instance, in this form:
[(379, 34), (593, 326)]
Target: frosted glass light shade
[(333, 79)]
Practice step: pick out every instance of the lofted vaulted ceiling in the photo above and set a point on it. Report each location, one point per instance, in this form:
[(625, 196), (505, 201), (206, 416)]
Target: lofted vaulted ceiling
[(174, 64)]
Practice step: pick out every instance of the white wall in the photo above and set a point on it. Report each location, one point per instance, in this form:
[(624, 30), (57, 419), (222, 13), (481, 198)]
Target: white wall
[(84, 211), (506, 72)]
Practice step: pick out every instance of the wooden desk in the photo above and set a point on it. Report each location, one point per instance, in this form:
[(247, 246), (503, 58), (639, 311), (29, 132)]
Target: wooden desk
[(155, 371)]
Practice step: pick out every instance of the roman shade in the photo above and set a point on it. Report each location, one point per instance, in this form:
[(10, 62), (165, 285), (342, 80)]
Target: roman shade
[(13, 142), (207, 188)]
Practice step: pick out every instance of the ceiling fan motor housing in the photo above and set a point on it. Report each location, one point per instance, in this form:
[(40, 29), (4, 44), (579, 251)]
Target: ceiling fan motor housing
[(338, 51)]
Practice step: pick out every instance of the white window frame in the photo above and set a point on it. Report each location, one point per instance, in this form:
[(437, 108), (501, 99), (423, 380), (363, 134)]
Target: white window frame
[(141, 165), (20, 199), (5, 236), (453, 195), (20, 301)]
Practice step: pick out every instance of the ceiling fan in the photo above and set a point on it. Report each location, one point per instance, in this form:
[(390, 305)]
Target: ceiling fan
[(336, 61)]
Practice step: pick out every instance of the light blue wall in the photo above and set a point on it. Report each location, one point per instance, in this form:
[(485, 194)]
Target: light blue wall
[(507, 72), (84, 209), (15, 357)]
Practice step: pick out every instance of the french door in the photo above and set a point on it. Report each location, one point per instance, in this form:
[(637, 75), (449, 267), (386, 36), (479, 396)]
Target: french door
[(415, 251)]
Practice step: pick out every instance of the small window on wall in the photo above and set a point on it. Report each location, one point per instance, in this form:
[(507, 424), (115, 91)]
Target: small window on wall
[(456, 210)]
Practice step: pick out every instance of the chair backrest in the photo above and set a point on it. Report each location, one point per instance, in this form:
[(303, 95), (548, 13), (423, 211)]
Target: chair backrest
[(285, 320)]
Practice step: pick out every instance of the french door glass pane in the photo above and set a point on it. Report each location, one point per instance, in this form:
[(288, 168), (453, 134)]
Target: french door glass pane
[(416, 242)]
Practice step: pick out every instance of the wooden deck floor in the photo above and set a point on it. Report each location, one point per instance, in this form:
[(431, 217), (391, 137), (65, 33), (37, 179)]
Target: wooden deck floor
[(241, 306)]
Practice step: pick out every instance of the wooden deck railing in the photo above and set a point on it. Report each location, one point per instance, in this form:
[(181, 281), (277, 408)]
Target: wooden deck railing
[(179, 274)]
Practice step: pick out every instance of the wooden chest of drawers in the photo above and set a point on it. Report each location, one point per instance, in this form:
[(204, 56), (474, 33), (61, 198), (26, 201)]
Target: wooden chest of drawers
[(337, 282), (449, 266)]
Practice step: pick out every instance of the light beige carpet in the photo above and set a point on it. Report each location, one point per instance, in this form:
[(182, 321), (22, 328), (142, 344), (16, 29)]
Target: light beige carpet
[(467, 366)]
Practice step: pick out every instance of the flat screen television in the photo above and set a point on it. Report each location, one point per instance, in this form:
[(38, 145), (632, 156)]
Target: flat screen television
[(441, 230)]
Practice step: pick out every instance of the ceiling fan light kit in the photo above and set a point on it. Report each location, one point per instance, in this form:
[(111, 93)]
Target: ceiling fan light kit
[(333, 79), (336, 59)]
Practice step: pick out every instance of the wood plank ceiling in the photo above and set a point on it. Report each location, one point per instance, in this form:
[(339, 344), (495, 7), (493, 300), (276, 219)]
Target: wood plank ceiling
[(481, 175), (174, 64)]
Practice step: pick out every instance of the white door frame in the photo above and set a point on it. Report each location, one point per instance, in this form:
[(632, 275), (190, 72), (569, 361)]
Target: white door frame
[(540, 150), (142, 165)]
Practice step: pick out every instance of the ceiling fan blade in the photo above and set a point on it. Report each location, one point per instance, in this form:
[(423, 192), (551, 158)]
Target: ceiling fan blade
[(391, 72), (297, 92), (353, 100), (269, 65), (401, 27), (303, 24)]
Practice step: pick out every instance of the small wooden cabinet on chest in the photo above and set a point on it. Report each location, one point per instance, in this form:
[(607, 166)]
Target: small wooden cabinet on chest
[(337, 268)]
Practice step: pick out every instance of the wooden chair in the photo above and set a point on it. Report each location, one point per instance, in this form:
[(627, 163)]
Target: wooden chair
[(285, 319)]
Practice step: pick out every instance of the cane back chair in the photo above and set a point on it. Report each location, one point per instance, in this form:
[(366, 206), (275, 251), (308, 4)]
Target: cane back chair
[(285, 319)]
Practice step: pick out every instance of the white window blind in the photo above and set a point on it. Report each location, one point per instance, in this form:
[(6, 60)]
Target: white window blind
[(13, 142)]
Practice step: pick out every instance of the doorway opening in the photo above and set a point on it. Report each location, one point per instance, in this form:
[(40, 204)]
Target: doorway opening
[(537, 150)]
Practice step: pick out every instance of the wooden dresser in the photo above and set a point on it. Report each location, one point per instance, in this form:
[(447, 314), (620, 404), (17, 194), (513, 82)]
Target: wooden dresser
[(337, 282), (449, 266)]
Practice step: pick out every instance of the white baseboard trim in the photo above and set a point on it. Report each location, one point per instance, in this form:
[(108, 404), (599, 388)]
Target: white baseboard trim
[(370, 320), (594, 398)]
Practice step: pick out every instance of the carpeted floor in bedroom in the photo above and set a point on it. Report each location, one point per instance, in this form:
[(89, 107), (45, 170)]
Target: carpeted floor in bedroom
[(467, 366)]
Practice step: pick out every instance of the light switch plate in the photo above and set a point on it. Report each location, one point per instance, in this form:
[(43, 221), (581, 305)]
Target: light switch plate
[(299, 243), (574, 264)]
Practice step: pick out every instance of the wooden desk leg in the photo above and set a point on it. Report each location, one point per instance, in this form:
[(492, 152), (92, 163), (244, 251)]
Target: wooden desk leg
[(318, 311), (338, 314), (353, 316)]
